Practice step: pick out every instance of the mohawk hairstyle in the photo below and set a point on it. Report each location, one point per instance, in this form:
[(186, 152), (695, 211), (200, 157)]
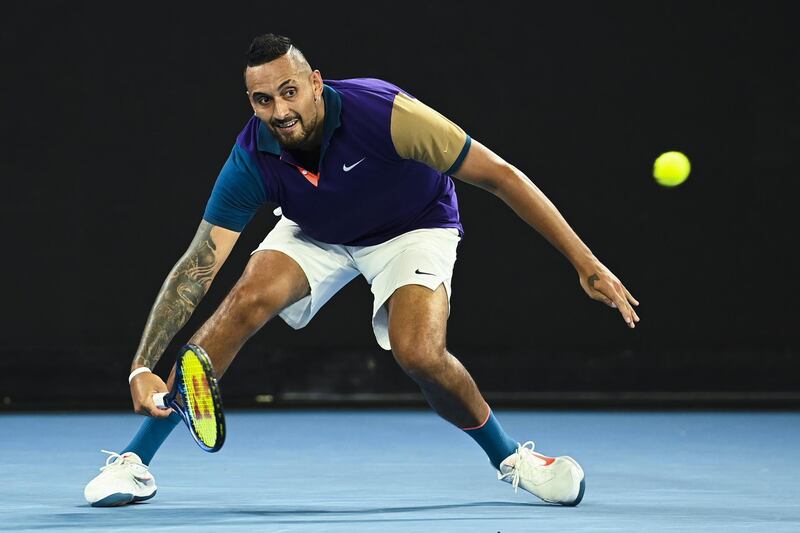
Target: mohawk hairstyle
[(268, 47)]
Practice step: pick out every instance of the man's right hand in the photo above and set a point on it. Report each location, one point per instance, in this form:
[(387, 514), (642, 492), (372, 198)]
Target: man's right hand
[(143, 387)]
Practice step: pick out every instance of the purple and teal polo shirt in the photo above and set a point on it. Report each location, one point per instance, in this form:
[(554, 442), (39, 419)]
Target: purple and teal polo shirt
[(385, 165)]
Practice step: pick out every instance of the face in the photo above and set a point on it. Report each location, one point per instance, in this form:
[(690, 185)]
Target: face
[(287, 98)]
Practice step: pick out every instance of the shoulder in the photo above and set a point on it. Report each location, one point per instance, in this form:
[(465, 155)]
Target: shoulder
[(247, 139), (366, 107), (370, 94), (365, 87)]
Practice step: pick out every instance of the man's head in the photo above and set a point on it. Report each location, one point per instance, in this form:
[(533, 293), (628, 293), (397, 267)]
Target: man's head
[(284, 92)]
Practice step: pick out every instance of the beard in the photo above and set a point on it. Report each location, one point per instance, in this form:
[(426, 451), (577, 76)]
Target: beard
[(296, 137)]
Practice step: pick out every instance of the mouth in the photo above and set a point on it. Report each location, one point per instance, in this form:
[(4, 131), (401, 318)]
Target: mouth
[(287, 126)]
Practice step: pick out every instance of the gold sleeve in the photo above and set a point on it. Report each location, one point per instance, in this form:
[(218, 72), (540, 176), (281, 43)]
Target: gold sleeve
[(423, 134)]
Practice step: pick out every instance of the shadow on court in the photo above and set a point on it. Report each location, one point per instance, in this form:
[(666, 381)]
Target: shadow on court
[(382, 510), (158, 515)]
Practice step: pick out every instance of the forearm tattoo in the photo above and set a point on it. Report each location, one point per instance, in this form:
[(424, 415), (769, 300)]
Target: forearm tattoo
[(183, 289)]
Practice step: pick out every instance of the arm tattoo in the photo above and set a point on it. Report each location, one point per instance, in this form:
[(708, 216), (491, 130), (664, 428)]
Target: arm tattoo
[(183, 289), (592, 279)]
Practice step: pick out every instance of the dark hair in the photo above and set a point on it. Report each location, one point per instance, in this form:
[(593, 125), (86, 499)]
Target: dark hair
[(268, 47)]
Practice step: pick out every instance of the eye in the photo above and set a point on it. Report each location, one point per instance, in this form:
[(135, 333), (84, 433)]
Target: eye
[(290, 92), (262, 100)]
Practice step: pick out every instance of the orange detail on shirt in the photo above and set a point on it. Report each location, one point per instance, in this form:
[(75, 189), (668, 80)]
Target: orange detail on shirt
[(307, 174)]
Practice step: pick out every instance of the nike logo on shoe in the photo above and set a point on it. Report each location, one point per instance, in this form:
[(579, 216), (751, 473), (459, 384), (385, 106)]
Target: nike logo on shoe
[(418, 271), (351, 167), (142, 483)]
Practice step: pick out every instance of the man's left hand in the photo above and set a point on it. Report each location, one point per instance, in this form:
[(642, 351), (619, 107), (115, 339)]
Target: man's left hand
[(602, 285)]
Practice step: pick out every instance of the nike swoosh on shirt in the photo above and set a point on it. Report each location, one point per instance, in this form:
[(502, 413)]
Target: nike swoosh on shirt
[(418, 271), (351, 167)]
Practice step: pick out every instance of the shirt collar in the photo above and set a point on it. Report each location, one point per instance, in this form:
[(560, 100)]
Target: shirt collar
[(333, 110)]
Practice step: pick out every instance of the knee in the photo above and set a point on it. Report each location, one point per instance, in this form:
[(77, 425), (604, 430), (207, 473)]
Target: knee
[(421, 358), (254, 305)]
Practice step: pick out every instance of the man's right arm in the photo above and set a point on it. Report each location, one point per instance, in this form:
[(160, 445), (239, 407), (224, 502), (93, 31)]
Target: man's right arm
[(184, 288)]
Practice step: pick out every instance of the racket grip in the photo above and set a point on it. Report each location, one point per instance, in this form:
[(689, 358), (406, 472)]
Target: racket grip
[(158, 399)]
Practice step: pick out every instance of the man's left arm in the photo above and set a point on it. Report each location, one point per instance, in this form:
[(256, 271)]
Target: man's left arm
[(483, 168)]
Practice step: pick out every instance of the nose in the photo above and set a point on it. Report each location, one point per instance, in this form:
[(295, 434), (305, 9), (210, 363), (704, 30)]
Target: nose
[(281, 109)]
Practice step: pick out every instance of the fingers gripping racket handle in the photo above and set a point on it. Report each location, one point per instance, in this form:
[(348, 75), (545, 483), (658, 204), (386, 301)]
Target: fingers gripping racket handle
[(158, 399)]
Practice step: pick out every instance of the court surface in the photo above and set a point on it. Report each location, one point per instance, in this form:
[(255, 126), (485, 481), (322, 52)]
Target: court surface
[(407, 471)]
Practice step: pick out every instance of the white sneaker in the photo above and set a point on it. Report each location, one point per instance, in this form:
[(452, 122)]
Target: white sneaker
[(553, 479), (123, 480)]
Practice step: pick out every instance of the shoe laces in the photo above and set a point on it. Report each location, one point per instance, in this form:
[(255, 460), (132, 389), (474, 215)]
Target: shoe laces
[(514, 472), (115, 460)]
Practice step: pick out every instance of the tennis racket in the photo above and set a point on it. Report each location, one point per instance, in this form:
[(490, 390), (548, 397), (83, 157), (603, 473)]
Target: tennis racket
[(196, 398)]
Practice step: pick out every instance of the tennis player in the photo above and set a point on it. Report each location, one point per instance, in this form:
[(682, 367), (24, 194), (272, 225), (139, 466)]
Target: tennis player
[(362, 174)]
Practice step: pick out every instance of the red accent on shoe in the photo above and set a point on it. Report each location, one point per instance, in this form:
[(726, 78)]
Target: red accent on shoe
[(547, 460)]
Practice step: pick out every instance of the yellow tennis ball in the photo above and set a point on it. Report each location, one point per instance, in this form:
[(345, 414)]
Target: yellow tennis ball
[(671, 169)]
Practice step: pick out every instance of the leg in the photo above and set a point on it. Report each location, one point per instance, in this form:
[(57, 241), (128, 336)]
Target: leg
[(271, 281), (417, 327), (417, 330)]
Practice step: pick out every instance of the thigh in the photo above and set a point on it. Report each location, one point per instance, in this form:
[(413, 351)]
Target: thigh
[(418, 318), (270, 282), (327, 268), (421, 259), (275, 275)]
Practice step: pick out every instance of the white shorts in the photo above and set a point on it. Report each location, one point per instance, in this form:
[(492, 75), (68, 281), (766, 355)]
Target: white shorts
[(421, 257)]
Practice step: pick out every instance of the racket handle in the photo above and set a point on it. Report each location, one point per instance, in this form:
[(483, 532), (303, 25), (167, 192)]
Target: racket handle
[(158, 399)]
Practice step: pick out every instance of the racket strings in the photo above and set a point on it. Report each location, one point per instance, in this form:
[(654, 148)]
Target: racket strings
[(199, 400)]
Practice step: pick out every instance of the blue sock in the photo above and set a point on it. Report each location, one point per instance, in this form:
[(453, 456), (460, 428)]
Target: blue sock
[(151, 436), (494, 441)]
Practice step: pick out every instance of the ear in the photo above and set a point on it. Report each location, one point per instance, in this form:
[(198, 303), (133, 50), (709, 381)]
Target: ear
[(316, 83), (250, 101)]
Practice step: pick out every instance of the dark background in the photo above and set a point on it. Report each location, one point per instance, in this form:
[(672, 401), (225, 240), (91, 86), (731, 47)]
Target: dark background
[(116, 121)]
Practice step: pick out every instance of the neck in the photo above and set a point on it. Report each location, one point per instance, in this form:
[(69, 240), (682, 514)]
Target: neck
[(315, 140)]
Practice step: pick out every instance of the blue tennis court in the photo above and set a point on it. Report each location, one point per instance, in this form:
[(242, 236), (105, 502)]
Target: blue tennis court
[(409, 471)]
